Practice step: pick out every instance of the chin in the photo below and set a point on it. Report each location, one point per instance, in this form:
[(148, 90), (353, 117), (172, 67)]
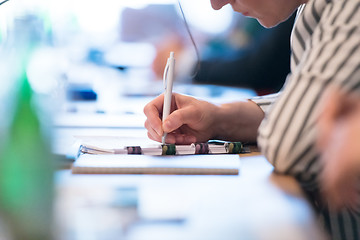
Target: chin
[(269, 23)]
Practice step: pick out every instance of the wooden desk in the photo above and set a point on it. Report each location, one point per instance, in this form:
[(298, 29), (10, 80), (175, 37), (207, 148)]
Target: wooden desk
[(256, 204)]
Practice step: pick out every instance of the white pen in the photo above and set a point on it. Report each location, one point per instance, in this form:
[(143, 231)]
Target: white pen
[(168, 80)]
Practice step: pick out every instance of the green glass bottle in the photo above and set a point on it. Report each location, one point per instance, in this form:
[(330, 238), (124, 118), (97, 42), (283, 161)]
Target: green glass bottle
[(26, 172), (26, 162)]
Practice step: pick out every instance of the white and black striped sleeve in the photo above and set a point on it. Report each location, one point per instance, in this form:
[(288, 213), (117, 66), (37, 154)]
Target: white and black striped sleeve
[(326, 53), (330, 57)]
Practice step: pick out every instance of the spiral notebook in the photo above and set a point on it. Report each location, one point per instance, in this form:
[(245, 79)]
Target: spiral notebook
[(221, 164)]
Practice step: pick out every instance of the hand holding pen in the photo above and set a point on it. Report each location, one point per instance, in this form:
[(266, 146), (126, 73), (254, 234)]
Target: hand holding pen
[(168, 80), (196, 121)]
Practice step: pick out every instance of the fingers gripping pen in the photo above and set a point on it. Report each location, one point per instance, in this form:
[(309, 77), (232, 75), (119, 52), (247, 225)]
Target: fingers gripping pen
[(168, 80)]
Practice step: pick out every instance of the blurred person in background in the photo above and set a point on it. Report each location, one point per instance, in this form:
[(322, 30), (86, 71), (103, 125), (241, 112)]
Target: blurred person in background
[(339, 141), (260, 63), (245, 55), (249, 56)]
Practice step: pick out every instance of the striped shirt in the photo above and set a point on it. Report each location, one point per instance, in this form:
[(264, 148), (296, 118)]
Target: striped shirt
[(325, 52)]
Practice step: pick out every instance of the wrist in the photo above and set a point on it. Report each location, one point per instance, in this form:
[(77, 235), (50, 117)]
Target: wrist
[(224, 123), (237, 121)]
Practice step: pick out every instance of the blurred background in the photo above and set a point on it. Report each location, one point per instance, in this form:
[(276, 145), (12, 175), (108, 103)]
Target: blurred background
[(102, 50)]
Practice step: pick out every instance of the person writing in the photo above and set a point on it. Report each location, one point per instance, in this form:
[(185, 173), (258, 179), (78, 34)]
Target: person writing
[(325, 47)]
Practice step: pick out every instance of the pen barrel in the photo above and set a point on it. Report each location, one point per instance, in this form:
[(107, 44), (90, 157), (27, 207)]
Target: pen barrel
[(169, 87)]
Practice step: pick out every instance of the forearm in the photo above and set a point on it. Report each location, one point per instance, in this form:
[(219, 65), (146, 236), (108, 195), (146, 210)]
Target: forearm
[(238, 121)]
